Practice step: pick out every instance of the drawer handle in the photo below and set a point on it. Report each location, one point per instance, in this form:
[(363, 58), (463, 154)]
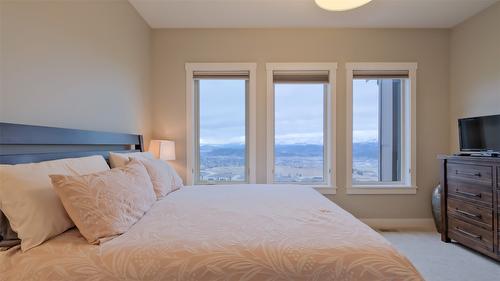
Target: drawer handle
[(468, 174), (468, 193), (468, 214), (468, 233)]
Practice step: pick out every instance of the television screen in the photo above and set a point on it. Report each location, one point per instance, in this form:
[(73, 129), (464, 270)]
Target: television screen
[(480, 133)]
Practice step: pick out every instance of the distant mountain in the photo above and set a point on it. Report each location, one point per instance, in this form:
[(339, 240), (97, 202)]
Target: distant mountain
[(299, 150), (360, 150), (237, 150), (365, 150)]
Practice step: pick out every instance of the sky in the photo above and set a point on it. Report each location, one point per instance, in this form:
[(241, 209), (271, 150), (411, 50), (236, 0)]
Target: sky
[(365, 100), (222, 111), (298, 112)]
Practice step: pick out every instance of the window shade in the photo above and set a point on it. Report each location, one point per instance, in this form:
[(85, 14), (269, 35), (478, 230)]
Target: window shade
[(374, 74), (221, 75), (319, 76)]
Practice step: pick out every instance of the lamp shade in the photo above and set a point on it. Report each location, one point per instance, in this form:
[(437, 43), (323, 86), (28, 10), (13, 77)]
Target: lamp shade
[(163, 149)]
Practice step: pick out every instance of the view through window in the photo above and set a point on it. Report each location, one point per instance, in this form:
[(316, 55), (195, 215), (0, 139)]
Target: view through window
[(221, 121), (299, 140), (377, 129)]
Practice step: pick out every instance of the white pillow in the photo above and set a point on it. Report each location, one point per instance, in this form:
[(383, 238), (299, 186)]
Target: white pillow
[(164, 178), (27, 199), (117, 160)]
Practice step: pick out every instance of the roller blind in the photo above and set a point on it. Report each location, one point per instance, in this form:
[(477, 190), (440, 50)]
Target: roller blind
[(221, 75), (374, 74), (319, 76)]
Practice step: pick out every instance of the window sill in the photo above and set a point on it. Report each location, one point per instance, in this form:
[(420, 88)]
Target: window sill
[(374, 189)]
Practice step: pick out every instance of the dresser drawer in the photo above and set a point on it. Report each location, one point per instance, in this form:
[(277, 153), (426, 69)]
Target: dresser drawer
[(470, 235), (481, 216), (475, 174), (470, 192)]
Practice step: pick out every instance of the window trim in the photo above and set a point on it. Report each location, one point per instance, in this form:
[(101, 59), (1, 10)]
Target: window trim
[(408, 185), (330, 186), (191, 115)]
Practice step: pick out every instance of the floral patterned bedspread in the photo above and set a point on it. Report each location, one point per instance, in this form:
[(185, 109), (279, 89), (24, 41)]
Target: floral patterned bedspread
[(247, 232)]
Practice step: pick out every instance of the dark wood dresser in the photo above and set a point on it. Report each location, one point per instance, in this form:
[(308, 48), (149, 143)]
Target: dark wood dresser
[(470, 202)]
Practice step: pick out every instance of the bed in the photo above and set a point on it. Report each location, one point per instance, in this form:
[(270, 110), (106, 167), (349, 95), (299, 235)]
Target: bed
[(239, 232)]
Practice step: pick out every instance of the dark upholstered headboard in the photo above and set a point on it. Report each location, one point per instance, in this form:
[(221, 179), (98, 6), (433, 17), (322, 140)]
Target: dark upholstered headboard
[(31, 144)]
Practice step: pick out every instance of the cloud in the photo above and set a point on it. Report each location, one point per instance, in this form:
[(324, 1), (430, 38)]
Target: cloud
[(365, 136), (299, 112), (300, 138)]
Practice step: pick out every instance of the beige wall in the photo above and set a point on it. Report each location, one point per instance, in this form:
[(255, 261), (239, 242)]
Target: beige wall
[(475, 69), (87, 65), (172, 48), (75, 64)]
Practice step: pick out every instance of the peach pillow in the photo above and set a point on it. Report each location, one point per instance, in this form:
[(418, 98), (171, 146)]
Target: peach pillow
[(164, 178), (117, 160), (106, 204)]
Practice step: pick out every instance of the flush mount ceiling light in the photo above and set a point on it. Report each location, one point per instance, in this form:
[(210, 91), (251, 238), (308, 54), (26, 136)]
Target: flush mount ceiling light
[(341, 5)]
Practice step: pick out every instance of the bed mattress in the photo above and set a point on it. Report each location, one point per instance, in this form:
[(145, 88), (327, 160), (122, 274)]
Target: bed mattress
[(247, 232)]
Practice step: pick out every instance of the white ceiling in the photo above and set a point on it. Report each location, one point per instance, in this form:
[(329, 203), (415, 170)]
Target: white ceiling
[(305, 13)]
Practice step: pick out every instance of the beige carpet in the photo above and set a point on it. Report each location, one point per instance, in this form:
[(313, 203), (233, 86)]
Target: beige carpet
[(439, 261)]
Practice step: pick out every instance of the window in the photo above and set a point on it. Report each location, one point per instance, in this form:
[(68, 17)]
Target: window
[(300, 101), (221, 118), (221, 141), (376, 151), (381, 128)]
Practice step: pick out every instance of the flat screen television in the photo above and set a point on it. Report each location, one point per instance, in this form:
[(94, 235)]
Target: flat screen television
[(480, 133)]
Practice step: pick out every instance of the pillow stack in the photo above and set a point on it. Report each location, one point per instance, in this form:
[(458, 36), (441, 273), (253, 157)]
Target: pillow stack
[(42, 200)]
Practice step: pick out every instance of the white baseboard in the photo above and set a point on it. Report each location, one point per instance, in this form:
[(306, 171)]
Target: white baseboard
[(400, 224)]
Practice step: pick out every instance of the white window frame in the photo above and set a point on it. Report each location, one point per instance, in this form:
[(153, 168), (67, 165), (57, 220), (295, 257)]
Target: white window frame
[(409, 162), (330, 187), (191, 115)]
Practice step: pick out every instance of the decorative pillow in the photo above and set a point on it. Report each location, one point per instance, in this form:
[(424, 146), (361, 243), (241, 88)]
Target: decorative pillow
[(117, 160), (30, 204), (106, 204), (164, 178)]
